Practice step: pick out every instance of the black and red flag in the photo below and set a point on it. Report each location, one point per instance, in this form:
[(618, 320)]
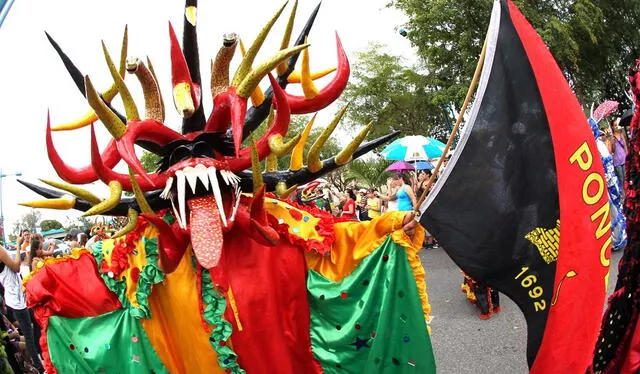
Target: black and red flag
[(522, 205)]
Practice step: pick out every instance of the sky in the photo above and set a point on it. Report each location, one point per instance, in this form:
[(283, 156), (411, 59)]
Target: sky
[(34, 80)]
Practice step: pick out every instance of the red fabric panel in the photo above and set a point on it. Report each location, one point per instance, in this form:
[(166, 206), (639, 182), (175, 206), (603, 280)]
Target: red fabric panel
[(270, 293), (70, 288), (574, 321)]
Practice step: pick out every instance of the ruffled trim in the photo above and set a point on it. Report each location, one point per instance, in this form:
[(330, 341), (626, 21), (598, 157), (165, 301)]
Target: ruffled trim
[(214, 307), (75, 254), (122, 247), (150, 274), (324, 228)]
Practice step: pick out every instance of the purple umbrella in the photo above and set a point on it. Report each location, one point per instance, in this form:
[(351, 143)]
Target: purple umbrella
[(400, 166)]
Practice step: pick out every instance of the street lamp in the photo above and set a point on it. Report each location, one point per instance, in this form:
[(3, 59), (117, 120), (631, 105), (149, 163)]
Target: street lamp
[(2, 175)]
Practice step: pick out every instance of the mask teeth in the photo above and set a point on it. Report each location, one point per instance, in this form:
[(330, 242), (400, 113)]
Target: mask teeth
[(192, 177), (215, 187), (201, 172), (225, 177), (182, 204), (175, 212), (166, 193), (236, 204)]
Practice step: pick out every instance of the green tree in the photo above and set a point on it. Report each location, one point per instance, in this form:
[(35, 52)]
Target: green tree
[(392, 95), (369, 173), (27, 221), (50, 224), (593, 41), (149, 161)]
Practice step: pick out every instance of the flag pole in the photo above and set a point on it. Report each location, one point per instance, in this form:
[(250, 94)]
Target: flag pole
[(467, 100)]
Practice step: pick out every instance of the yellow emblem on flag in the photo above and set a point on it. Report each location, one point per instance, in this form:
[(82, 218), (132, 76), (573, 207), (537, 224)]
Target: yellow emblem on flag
[(547, 241)]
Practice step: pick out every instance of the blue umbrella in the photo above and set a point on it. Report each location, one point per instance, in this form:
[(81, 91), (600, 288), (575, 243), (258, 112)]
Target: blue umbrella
[(423, 165), (413, 148)]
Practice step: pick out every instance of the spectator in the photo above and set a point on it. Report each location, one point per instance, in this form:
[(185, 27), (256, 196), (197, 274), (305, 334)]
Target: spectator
[(374, 204), (16, 302), (349, 206), (23, 245)]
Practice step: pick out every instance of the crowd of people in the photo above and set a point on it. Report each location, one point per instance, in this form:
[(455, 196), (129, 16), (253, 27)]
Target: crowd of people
[(18, 328)]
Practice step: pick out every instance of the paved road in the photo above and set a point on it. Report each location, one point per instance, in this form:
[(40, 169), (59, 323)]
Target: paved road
[(462, 342)]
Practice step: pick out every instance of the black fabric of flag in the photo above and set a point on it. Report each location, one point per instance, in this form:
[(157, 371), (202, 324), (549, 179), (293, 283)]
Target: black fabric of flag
[(501, 184)]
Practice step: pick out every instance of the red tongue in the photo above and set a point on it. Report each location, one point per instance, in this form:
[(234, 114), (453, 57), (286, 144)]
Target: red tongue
[(206, 230)]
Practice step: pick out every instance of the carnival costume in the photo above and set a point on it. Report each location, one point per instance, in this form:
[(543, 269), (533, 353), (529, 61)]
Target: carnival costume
[(216, 272)]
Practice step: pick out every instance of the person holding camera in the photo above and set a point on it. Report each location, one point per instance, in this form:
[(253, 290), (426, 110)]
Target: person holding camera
[(16, 301), (23, 248)]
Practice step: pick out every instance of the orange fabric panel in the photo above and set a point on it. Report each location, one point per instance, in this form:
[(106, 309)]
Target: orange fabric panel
[(176, 328)]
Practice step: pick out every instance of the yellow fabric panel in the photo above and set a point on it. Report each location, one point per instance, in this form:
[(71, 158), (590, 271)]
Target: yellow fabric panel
[(137, 259), (305, 230), (176, 329), (356, 240)]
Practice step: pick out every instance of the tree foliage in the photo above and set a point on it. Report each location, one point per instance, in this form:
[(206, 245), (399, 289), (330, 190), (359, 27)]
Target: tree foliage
[(593, 41), (370, 174), (149, 161), (392, 95), (27, 221), (50, 224)]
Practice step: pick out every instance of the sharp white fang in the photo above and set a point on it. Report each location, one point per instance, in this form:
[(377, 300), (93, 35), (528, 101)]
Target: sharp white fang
[(201, 172), (192, 177), (167, 188), (216, 193), (225, 176), (236, 203), (175, 213), (181, 197)]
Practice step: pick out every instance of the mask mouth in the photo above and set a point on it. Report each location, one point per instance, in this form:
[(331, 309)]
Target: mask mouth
[(196, 188), (198, 177)]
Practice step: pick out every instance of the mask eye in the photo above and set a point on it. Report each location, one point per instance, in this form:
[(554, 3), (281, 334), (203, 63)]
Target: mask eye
[(182, 152), (202, 149)]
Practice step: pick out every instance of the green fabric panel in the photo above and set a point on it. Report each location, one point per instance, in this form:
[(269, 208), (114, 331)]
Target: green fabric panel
[(114, 342), (372, 321)]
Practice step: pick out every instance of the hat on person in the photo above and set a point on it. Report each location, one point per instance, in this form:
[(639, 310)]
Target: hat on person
[(362, 190)]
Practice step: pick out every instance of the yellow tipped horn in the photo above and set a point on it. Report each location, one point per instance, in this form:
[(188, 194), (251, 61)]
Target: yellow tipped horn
[(256, 169), (63, 203), (129, 105), (182, 99), (137, 192), (110, 120), (282, 67), (272, 163), (112, 91), (247, 61), (308, 87), (132, 214), (279, 147), (257, 96), (253, 78), (313, 158), (220, 67), (297, 154), (77, 191), (153, 104), (108, 95), (345, 155), (114, 199), (296, 77), (283, 192), (83, 121)]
